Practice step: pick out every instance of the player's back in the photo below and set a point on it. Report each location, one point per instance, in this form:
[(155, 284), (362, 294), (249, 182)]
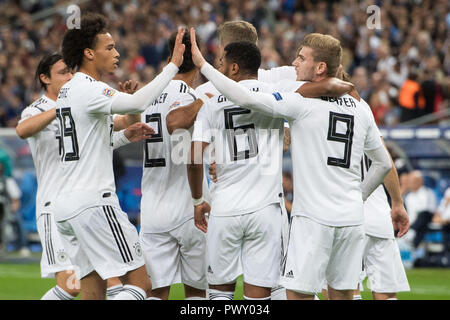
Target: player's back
[(248, 154), (329, 136), (44, 148), (83, 110), (166, 200)]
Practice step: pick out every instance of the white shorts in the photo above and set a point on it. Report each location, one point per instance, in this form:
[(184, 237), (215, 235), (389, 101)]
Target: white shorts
[(247, 244), (383, 266), (319, 254), (54, 258), (176, 256), (101, 238)]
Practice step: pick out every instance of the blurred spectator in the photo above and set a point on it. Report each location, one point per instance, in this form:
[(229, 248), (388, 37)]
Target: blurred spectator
[(420, 204), (413, 39), (442, 218), (9, 206)]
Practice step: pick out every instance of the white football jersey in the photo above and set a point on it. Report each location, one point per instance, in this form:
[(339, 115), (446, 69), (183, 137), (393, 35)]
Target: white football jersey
[(83, 109), (377, 212), (329, 136), (248, 154), (166, 197), (45, 152), (283, 77)]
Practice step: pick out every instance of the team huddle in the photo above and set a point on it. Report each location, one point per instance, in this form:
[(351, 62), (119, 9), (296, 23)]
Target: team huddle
[(202, 232)]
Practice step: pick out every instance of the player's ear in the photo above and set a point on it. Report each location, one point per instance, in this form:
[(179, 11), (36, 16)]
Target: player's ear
[(321, 68), (89, 53), (44, 79), (234, 69)]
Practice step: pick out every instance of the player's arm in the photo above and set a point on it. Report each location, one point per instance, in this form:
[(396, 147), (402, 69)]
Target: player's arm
[(195, 178), (333, 87), (380, 167), (121, 122), (35, 124), (136, 132), (139, 101), (399, 215), (183, 117)]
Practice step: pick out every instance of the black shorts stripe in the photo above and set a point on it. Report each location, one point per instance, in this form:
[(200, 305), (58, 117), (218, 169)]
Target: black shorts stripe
[(59, 294), (118, 242), (50, 242), (122, 236)]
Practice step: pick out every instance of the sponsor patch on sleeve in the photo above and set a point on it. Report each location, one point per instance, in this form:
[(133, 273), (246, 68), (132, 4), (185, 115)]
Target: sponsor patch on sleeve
[(277, 96), (109, 92), (174, 105)]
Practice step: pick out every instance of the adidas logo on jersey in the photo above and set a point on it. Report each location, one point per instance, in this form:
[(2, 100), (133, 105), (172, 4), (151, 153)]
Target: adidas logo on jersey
[(290, 274), (210, 270)]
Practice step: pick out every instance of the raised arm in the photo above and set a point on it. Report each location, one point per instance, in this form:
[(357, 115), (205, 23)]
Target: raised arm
[(139, 101), (31, 126)]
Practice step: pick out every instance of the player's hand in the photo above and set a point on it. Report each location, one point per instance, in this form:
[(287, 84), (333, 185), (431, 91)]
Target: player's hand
[(129, 86), (138, 131), (212, 172), (400, 219), (199, 216), (197, 56), (178, 49)]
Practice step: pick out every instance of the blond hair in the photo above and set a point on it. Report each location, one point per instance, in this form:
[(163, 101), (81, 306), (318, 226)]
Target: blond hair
[(325, 49), (236, 31)]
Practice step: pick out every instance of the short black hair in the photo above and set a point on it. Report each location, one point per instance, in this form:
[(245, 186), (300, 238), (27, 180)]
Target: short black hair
[(246, 55), (188, 64), (45, 65), (76, 40)]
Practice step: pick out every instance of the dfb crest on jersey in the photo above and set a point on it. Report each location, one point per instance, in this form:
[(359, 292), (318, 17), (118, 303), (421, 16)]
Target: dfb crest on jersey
[(109, 92), (62, 255), (137, 249)]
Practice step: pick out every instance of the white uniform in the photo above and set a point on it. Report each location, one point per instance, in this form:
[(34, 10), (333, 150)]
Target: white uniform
[(382, 262), (277, 76), (97, 233), (174, 249), (328, 139), (245, 207), (44, 148)]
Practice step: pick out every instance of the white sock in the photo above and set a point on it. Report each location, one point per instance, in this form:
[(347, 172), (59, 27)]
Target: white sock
[(316, 297), (392, 299), (255, 299), (278, 293), (130, 292), (357, 297), (56, 293), (153, 298), (113, 291), (220, 295)]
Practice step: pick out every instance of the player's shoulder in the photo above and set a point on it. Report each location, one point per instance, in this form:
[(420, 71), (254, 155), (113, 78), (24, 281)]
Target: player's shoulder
[(287, 85), (38, 106)]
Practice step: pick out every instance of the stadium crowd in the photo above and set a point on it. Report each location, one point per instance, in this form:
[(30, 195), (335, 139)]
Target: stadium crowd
[(401, 67)]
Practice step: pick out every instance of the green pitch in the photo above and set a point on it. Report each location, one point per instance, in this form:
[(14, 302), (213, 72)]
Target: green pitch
[(23, 282)]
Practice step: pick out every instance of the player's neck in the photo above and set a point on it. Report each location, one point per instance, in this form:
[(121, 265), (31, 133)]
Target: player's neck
[(91, 72), (319, 78), (49, 94), (241, 77), (187, 77)]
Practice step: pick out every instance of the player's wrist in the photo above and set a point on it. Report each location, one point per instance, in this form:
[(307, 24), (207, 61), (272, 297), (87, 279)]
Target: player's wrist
[(198, 201)]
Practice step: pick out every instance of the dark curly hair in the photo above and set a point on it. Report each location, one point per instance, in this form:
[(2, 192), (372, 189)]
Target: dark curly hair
[(187, 64), (45, 65), (246, 55), (76, 40)]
